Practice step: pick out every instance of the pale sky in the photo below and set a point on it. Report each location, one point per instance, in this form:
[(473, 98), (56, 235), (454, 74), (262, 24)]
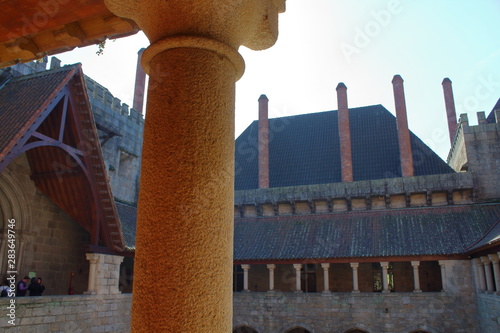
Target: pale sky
[(362, 43)]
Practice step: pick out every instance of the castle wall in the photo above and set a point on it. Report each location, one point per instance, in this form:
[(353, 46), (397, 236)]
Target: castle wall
[(488, 310), (48, 242), (122, 152)]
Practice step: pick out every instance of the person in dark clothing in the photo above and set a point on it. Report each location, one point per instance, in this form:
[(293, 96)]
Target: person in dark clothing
[(22, 287), (36, 288)]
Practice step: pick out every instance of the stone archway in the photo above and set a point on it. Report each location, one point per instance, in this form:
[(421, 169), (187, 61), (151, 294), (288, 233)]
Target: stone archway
[(298, 330), (356, 330), (14, 215), (244, 329)]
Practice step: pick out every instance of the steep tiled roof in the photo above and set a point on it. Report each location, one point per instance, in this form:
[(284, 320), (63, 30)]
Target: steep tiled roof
[(23, 99), (128, 217), (406, 232), (304, 150)]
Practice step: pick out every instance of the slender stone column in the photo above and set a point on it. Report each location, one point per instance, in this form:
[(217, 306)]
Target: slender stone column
[(271, 268), (385, 282), (442, 263), (326, 282), (488, 273), (481, 278), (245, 268), (416, 277), (92, 258), (354, 266), (298, 287), (185, 213), (496, 270)]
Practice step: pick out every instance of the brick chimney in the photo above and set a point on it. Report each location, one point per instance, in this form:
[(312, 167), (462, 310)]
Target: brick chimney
[(263, 138), (449, 102), (344, 133), (403, 132), (140, 84)]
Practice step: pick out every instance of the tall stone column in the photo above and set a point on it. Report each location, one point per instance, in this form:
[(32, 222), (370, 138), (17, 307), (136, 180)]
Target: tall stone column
[(326, 278), (183, 259), (496, 270), (354, 266), (416, 277), (298, 287), (271, 268), (246, 268), (488, 273), (385, 282), (442, 264), (93, 258), (481, 278)]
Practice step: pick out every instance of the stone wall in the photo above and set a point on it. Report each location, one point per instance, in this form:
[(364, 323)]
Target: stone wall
[(275, 312), (48, 242), (488, 307), (122, 152), (81, 313)]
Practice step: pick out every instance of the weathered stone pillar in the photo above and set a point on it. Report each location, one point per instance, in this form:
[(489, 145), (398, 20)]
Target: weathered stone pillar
[(185, 213), (416, 277), (93, 258), (104, 273), (298, 287), (385, 282), (496, 270), (245, 268), (326, 278), (271, 268), (354, 266), (442, 264), (480, 275), (488, 273)]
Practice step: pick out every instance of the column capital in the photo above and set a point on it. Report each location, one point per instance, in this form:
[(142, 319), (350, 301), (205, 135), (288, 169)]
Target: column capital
[(477, 262), (493, 258), (92, 257), (271, 266), (485, 260), (354, 264), (384, 264), (297, 266), (245, 267), (415, 263), (442, 262), (325, 265)]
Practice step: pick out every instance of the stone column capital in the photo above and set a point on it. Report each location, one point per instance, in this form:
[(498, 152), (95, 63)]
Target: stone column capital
[(384, 264), (297, 266), (271, 266), (325, 266), (354, 264), (493, 258), (245, 267), (485, 260), (92, 257), (415, 263)]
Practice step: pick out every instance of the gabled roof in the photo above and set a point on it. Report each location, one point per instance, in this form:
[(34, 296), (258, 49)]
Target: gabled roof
[(128, 218), (304, 150), (47, 116), (444, 231)]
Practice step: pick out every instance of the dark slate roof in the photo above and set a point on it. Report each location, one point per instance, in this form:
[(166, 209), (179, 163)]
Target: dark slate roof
[(406, 232), (128, 218), (305, 150), (22, 100), (491, 116), (492, 237)]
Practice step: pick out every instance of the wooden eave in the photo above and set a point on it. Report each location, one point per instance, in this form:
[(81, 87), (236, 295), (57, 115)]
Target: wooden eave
[(31, 29), (61, 144)]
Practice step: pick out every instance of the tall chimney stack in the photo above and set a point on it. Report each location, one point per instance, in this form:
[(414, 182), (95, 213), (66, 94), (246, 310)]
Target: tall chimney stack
[(403, 132), (263, 144), (140, 84), (344, 133), (449, 102)]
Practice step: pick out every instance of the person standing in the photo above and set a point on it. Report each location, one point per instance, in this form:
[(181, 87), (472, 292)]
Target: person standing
[(22, 287), (36, 287)]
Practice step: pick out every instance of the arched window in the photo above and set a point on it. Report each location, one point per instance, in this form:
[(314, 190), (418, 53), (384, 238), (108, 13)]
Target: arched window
[(244, 329), (298, 330)]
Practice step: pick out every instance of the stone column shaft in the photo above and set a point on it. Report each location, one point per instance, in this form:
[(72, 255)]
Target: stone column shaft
[(92, 258), (480, 275), (385, 282), (326, 278), (246, 268), (354, 266), (442, 264), (496, 270), (488, 273), (416, 277), (297, 267), (271, 268)]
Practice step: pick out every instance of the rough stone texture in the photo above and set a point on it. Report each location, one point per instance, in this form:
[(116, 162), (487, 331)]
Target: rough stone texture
[(476, 149), (49, 243), (77, 313), (122, 154), (106, 274), (488, 307)]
